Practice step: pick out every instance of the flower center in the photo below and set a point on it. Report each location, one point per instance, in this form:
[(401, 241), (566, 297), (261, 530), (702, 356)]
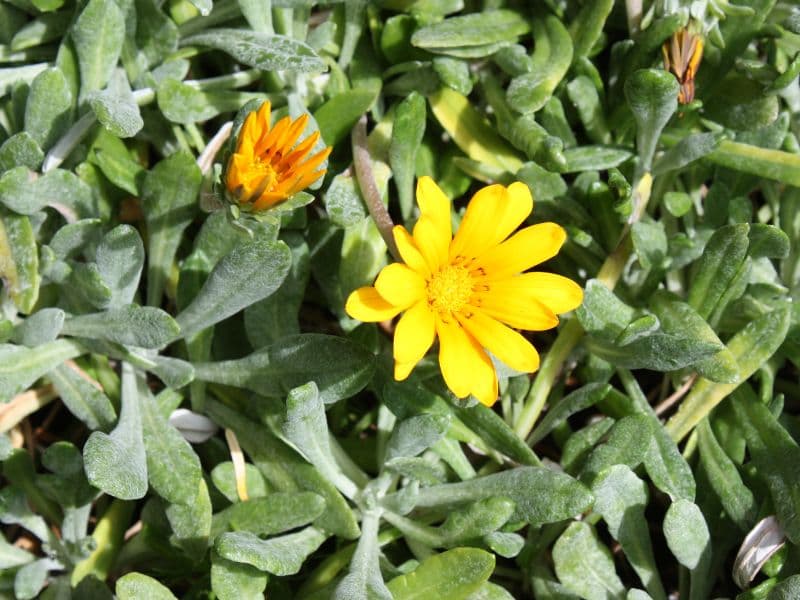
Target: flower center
[(449, 289)]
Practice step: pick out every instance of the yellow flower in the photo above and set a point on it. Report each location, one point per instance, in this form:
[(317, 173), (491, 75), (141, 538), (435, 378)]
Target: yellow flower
[(267, 167), (469, 290)]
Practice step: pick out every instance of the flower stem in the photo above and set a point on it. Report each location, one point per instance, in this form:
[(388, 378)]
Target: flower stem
[(369, 190)]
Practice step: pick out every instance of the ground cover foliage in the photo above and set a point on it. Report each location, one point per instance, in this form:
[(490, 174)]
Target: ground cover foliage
[(187, 411)]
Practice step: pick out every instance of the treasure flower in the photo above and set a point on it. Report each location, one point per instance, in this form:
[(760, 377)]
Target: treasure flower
[(269, 165), (469, 290)]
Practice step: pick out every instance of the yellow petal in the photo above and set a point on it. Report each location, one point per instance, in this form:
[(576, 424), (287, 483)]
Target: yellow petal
[(516, 311), (525, 249), (409, 251), (414, 334), (434, 204), (492, 215), (366, 304), (466, 368), (505, 343), (403, 370), (556, 292), (400, 286), (432, 242)]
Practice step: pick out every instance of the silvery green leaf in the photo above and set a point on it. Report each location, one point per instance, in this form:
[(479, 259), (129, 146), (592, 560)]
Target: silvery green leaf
[(169, 196), (584, 565), (116, 108), (224, 478), (687, 533), (132, 325), (689, 149), (191, 522), (116, 463), (271, 514), (338, 367), (621, 498), (30, 579), (98, 35), (236, 581), (414, 435), (283, 555), (25, 193), (14, 510), (11, 556), (41, 327), (364, 579), (407, 131), (120, 258), (559, 411), (19, 260), (652, 95), (456, 573), (135, 586), (269, 52), (20, 150), (249, 273), (474, 29), (20, 366), (507, 545), (343, 200), (83, 399), (48, 112), (173, 468), (12, 75), (72, 238)]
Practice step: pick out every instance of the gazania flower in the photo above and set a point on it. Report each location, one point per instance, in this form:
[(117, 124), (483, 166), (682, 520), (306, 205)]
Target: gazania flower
[(469, 290), (268, 166), (682, 55)]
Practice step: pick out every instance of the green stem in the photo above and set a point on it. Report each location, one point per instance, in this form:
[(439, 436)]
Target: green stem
[(108, 535)]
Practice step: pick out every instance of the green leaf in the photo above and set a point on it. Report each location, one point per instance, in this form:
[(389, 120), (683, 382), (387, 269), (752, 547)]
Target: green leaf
[(540, 495), (82, 399), (116, 463), (414, 435), (767, 241), (236, 581), (496, 433), (19, 260), (249, 273), (9, 77), (455, 574), (191, 522), (621, 497), (120, 258), (135, 586), (585, 397), (41, 327), (407, 131), (173, 468), (652, 95), (48, 112), (551, 59), (686, 532), (688, 150), (718, 267), (751, 347), (338, 367), (280, 556), (679, 317), (98, 35), (116, 108), (132, 325), (343, 201), (471, 30), (593, 158), (20, 366), (30, 579), (587, 28), (338, 115), (761, 162), (183, 103), (658, 351), (20, 150), (650, 242), (25, 193), (268, 52), (169, 196), (774, 453), (271, 514), (584, 565), (666, 466), (735, 497), (11, 556)]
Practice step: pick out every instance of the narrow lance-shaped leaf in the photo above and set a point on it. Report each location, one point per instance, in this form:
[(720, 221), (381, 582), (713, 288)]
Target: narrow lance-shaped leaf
[(364, 579), (20, 366), (268, 52), (169, 195), (407, 132), (653, 97), (82, 399), (621, 497), (249, 273), (19, 260), (457, 573), (283, 555), (132, 325), (687, 533), (584, 565), (120, 259)]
